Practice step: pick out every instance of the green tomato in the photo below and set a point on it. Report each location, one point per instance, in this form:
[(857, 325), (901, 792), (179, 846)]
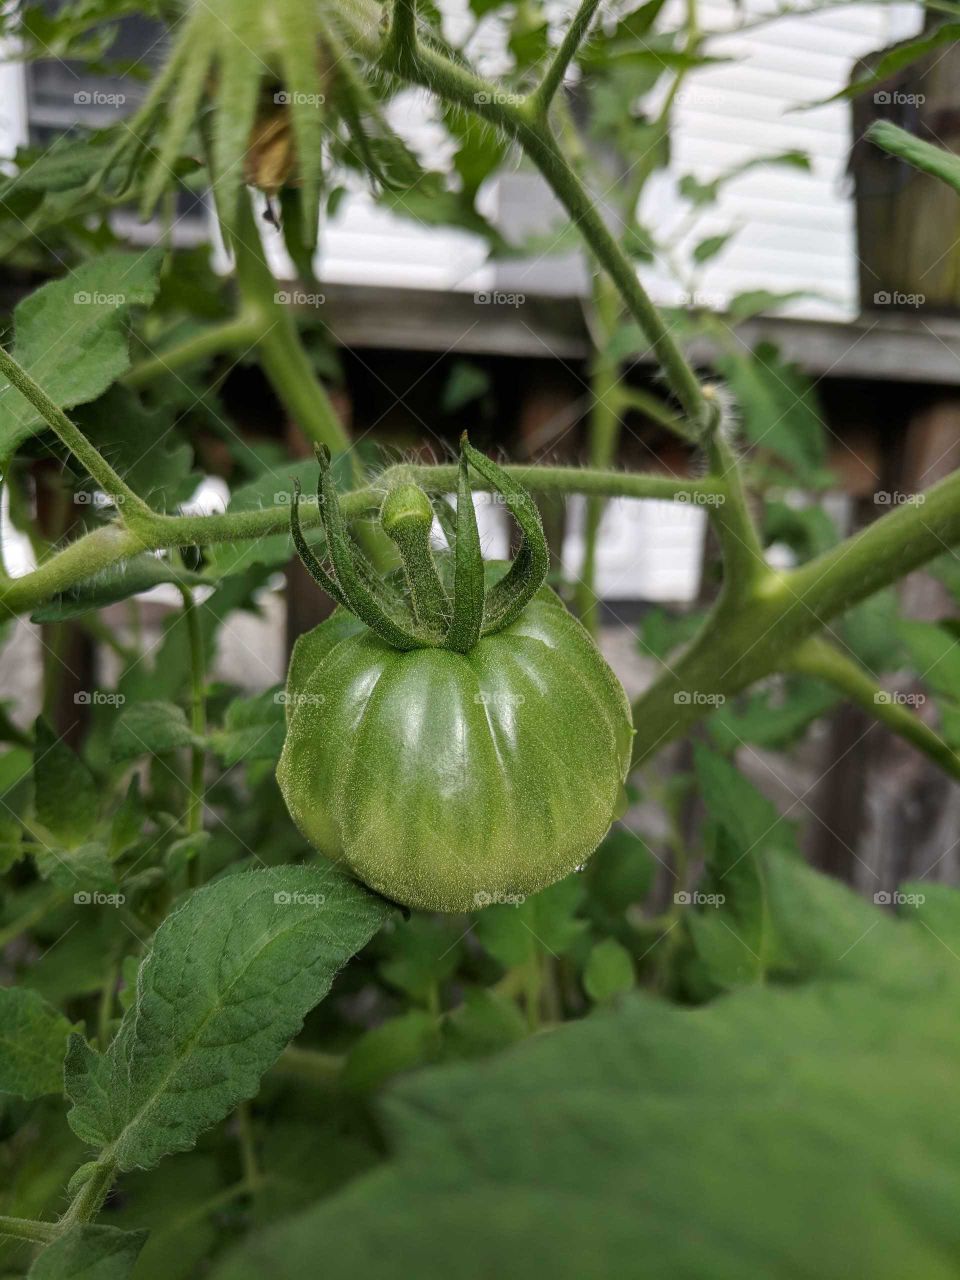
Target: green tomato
[(449, 781)]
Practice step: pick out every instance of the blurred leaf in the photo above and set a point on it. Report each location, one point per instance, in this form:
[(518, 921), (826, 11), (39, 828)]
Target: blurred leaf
[(485, 1023), (33, 1041), (66, 798), (466, 382), (662, 632), (608, 972), (88, 1252), (253, 729), (897, 59), (547, 921), (779, 407), (406, 1041), (150, 728), (735, 804), (421, 953), (709, 248), (921, 155), (596, 1139), (772, 718)]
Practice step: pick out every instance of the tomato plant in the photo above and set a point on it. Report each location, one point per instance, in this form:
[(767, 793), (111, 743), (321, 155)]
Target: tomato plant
[(420, 959)]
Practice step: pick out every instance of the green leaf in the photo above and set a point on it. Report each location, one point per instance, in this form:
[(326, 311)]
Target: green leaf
[(421, 954), (779, 407), (399, 1044), (485, 1023), (620, 874), (608, 972), (253, 729), (65, 795), (735, 804), (662, 632), (33, 1040), (147, 728), (466, 382), (513, 932), (756, 302), (227, 983), (88, 1252), (711, 246), (921, 155), (71, 337), (752, 1117), (896, 59), (771, 718)]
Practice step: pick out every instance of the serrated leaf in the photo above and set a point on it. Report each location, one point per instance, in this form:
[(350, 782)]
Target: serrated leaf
[(89, 1252), (227, 983), (33, 1040), (150, 728), (71, 337), (690, 1142), (65, 795)]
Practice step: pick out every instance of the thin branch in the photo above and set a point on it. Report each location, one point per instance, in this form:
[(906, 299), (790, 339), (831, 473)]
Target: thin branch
[(816, 657), (129, 504), (553, 77)]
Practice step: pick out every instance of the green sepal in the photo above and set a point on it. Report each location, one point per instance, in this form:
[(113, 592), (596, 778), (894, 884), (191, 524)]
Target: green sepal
[(310, 562), (360, 596), (468, 591), (509, 597), (407, 519)]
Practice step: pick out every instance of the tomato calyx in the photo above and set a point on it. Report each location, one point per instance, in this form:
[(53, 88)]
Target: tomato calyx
[(427, 613)]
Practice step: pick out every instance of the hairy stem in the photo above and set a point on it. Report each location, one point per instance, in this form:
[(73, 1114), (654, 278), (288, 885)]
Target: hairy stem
[(130, 504), (574, 37), (88, 1201), (235, 334), (28, 1229), (198, 722)]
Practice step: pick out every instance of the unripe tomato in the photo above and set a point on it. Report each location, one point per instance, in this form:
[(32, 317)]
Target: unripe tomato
[(445, 780)]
